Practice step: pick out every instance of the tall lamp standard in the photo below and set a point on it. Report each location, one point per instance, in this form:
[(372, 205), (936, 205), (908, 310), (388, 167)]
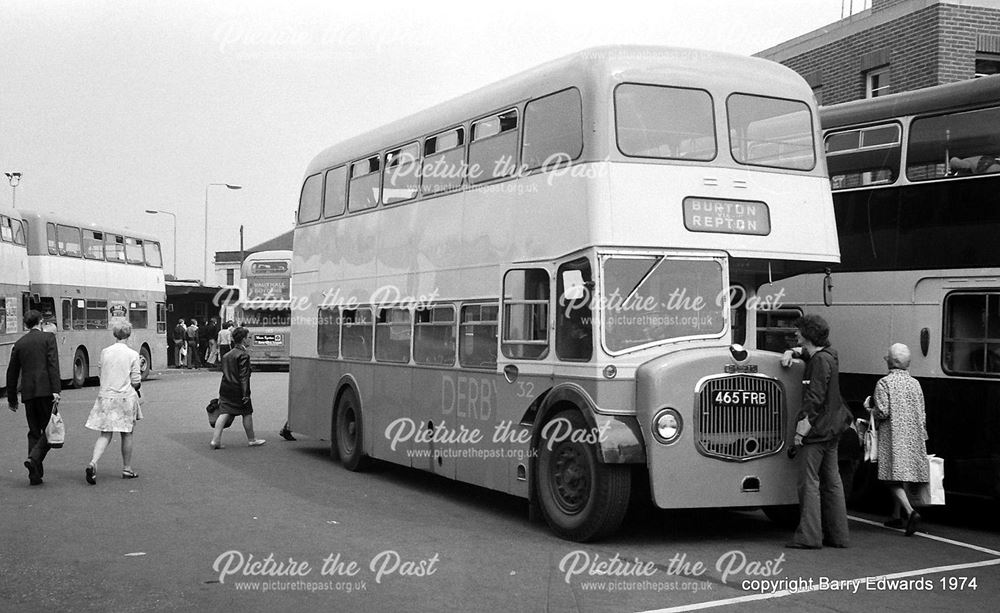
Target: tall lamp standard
[(152, 212), (228, 186), (14, 178)]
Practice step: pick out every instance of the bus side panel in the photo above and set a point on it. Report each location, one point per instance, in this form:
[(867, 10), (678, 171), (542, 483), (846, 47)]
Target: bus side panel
[(389, 400), (311, 394), (475, 405)]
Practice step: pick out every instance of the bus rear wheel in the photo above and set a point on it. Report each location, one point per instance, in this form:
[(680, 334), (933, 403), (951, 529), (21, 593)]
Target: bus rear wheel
[(81, 368), (581, 498), (145, 364), (348, 441)]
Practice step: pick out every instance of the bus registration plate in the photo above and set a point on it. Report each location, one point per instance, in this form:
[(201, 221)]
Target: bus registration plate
[(740, 398)]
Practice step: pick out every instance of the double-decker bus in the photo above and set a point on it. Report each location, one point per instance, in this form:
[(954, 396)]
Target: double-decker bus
[(543, 287), (81, 277), (265, 306), (13, 282), (916, 186)]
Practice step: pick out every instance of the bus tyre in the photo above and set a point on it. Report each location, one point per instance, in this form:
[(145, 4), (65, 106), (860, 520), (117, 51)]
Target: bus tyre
[(581, 498), (81, 368), (348, 441), (786, 515), (145, 364)]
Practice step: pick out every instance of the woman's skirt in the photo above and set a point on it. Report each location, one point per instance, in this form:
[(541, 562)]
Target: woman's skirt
[(113, 414)]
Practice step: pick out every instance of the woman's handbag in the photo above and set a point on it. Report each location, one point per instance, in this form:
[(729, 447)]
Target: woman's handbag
[(870, 440), (55, 432), (932, 492), (213, 413)]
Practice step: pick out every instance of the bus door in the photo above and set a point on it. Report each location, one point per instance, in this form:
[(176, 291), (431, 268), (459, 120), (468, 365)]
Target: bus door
[(525, 368)]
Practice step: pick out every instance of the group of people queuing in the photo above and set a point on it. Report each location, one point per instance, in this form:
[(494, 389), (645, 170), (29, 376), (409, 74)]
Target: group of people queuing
[(34, 371), (197, 346), (898, 410)]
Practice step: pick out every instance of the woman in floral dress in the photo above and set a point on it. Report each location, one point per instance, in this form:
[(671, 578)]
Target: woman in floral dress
[(902, 432), (117, 405)]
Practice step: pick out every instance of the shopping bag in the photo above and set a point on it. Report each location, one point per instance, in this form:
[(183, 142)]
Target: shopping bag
[(213, 413), (869, 438), (932, 492), (936, 484), (55, 432)]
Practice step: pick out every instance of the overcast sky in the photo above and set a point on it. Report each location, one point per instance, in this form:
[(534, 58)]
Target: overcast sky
[(113, 107)]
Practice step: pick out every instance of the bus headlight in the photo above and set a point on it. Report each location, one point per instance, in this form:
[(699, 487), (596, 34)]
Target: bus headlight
[(667, 426)]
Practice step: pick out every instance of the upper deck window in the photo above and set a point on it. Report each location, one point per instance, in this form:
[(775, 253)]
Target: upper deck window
[(865, 156), (6, 229), (402, 174), (335, 196), (444, 162), (771, 132), (133, 251), (363, 191), (69, 241), (310, 200), (959, 144), (19, 238), (493, 150), (153, 255), (673, 123), (553, 129), (93, 245), (114, 247)]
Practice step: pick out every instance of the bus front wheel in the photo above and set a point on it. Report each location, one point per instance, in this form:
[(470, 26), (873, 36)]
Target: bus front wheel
[(81, 368), (348, 432), (581, 498), (145, 363)]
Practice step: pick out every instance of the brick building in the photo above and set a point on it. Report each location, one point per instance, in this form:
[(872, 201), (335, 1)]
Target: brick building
[(894, 46)]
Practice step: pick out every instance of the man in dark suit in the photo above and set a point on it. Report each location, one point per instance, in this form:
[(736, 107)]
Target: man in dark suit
[(35, 359)]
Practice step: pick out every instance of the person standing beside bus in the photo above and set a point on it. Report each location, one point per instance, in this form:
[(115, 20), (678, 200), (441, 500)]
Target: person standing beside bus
[(34, 359), (234, 391), (821, 421), (225, 339), (212, 336), (902, 431), (191, 337), (117, 406), (179, 338)]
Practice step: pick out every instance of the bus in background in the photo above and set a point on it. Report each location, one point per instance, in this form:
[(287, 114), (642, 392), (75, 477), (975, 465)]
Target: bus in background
[(265, 305), (916, 184), (543, 287), (81, 277), (13, 283)]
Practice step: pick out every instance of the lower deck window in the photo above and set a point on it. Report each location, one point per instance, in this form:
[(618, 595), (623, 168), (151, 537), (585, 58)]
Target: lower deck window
[(971, 344)]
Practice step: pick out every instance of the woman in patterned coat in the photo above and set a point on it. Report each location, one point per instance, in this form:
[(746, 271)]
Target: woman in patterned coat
[(902, 432)]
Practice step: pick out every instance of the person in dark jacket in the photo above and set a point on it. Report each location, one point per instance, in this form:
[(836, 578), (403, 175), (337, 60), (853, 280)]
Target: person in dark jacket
[(234, 390), (820, 422), (34, 359)]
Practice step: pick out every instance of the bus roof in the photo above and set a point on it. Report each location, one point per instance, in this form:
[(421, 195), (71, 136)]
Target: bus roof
[(952, 96), (36, 216), (611, 64)]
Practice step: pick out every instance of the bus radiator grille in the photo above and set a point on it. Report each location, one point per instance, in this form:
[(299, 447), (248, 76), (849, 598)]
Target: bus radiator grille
[(746, 423)]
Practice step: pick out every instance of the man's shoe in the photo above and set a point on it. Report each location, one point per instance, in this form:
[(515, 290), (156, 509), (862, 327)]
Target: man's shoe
[(911, 523), (286, 434), (827, 543)]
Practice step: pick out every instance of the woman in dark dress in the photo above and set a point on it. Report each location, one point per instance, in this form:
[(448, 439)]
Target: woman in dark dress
[(234, 391)]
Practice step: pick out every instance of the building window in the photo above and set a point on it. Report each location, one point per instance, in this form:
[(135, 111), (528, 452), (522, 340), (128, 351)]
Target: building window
[(987, 65), (877, 82), (230, 276)]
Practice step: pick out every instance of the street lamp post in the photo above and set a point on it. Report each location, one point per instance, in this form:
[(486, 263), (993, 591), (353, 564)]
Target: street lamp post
[(228, 186), (14, 178), (153, 212)]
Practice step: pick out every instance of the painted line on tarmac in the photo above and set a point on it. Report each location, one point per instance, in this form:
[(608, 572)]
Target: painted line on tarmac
[(782, 593), (939, 539)]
